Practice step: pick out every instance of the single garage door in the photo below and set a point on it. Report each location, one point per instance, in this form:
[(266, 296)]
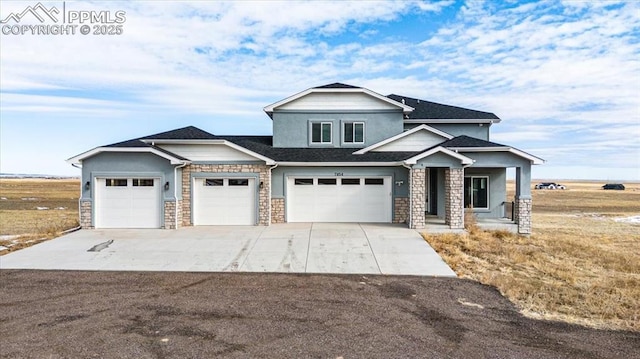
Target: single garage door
[(224, 201), (339, 199), (128, 203)]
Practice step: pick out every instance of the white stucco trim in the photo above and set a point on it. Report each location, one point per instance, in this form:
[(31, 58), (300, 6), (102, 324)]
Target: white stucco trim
[(453, 120), (402, 135), (463, 159), (79, 158), (405, 109), (227, 143), (534, 160)]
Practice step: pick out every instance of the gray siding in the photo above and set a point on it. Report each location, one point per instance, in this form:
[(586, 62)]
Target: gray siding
[(291, 129), (127, 164), (497, 190), (458, 129), (279, 175)]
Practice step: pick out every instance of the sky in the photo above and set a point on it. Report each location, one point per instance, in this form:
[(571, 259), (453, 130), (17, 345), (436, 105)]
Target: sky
[(564, 76)]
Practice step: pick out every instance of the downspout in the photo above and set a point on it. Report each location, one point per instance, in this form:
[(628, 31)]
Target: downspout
[(270, 183), (410, 194), (175, 189)]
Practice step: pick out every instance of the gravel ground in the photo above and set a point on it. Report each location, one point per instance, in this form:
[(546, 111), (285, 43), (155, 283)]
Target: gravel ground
[(61, 314)]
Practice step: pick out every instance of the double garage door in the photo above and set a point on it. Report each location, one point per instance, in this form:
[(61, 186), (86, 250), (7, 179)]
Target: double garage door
[(127, 203), (339, 199)]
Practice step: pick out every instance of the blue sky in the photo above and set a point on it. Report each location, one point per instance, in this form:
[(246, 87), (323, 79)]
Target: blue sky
[(564, 76)]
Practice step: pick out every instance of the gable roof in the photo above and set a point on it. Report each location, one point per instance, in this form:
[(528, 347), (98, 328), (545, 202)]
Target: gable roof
[(338, 88), (437, 111)]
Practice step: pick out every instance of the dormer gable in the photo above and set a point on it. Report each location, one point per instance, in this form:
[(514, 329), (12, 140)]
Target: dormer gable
[(416, 139), (337, 97)]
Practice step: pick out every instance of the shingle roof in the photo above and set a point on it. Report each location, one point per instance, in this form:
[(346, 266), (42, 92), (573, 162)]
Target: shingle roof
[(185, 133), (136, 143), (337, 85), (264, 146), (433, 110), (466, 141)]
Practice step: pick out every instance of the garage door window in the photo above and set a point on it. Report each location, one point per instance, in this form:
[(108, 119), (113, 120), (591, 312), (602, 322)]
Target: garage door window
[(142, 182), (213, 182), (239, 182), (303, 181), (350, 181), (327, 181), (116, 182), (374, 181)]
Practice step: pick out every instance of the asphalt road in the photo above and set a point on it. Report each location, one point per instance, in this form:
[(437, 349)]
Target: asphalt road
[(65, 314)]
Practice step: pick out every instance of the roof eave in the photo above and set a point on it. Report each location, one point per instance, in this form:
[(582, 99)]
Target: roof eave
[(453, 120), (77, 160), (534, 159)]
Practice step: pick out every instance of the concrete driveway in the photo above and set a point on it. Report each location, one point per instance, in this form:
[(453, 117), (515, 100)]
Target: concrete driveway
[(291, 247)]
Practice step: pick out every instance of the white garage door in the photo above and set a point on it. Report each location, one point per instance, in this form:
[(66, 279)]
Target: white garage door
[(339, 199), (224, 201), (128, 203)]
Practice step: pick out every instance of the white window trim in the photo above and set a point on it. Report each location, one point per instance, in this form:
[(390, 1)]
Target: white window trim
[(322, 123), (344, 132), (488, 192)]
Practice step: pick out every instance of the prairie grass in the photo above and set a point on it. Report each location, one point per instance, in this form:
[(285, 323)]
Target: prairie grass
[(33, 210), (579, 266)]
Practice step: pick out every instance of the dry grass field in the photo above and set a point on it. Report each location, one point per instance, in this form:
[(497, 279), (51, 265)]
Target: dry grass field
[(32, 210), (580, 265)]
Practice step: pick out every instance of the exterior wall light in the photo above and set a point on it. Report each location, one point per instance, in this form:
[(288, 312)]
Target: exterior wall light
[(261, 185), (166, 186), (87, 185), (399, 183)]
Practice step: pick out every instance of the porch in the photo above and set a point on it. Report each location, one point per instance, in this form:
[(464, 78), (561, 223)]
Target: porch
[(435, 225)]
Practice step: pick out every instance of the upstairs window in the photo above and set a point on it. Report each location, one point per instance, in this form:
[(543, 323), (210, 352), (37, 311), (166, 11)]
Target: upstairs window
[(476, 192), (321, 132), (354, 132)]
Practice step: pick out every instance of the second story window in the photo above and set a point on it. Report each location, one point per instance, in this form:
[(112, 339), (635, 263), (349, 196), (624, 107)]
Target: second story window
[(354, 132), (321, 132)]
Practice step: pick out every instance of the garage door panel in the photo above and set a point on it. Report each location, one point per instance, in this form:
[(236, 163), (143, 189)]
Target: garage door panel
[(224, 204), (127, 206), (353, 202)]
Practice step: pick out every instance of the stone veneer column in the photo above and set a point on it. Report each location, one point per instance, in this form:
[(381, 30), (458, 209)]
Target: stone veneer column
[(169, 215), (417, 188), (524, 215), (454, 197), (277, 210), (401, 210), (263, 191), (85, 214)]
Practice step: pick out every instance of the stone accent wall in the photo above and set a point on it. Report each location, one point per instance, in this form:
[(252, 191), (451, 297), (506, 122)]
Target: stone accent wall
[(263, 193), (454, 197), (524, 215), (85, 214), (516, 215), (401, 210), (169, 215), (417, 193), (277, 210)]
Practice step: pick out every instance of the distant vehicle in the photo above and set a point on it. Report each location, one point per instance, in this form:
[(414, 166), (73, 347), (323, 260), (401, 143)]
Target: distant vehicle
[(550, 185), (616, 186)]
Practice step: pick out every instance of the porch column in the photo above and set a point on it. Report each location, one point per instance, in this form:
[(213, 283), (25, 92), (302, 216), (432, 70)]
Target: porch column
[(522, 201), (454, 197), (417, 196)]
